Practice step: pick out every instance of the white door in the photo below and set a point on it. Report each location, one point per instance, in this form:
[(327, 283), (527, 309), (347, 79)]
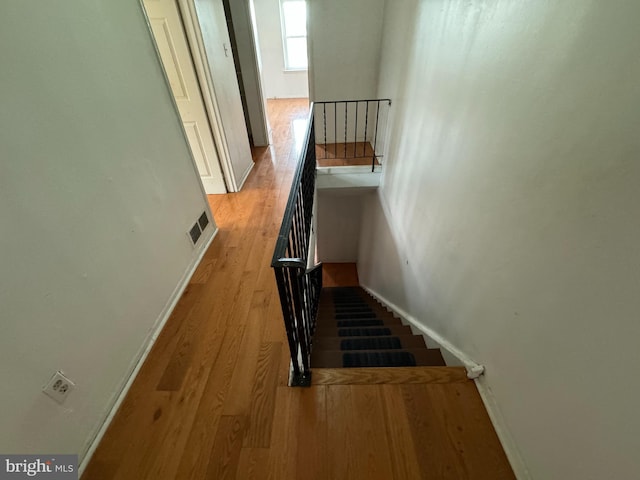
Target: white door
[(216, 42), (168, 31)]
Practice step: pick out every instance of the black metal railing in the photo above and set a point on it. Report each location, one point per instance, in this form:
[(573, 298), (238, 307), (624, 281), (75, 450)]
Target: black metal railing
[(299, 288), (352, 132)]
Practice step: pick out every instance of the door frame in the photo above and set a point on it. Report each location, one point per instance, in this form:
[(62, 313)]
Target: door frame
[(198, 55)]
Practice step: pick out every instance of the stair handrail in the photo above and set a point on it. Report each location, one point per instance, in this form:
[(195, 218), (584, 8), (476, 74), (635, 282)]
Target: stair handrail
[(299, 288)]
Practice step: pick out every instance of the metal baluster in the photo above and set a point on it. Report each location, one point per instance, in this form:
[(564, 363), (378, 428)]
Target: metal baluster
[(345, 129), (375, 138), (355, 132), (324, 121), (282, 283), (335, 130), (296, 285), (366, 123)]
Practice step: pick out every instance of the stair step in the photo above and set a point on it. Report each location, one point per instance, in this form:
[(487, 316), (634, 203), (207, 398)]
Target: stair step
[(368, 343), (349, 297), (393, 375), (350, 294), (348, 304), (354, 308), (351, 306), (351, 301), (376, 358), (347, 314), (340, 315), (325, 318), (359, 322), (325, 331), (344, 288), (346, 311), (355, 322)]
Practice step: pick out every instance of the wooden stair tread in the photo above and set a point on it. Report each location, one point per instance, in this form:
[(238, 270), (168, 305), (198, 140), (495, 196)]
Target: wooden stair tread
[(388, 375)]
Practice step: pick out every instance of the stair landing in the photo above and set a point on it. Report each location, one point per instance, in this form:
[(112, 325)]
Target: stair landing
[(345, 154), (340, 275)]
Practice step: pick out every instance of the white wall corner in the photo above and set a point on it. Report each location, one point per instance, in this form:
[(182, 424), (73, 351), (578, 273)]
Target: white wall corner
[(146, 348), (475, 372), (245, 176)]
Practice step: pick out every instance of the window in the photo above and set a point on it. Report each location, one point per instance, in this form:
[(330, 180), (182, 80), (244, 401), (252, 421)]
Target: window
[(294, 34)]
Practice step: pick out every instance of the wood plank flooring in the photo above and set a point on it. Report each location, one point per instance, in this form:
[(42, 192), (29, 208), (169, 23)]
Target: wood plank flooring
[(345, 154), (211, 400), (339, 275), (388, 375)]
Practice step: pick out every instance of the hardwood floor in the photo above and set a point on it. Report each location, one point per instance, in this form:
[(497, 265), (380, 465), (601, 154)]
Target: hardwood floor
[(339, 275), (211, 401), (345, 154)]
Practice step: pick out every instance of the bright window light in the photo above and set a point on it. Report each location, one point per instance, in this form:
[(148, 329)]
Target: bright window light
[(294, 34)]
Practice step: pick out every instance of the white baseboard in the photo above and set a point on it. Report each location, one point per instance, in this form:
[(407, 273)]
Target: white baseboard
[(245, 176), (504, 435), (474, 370), (470, 364), (144, 352)]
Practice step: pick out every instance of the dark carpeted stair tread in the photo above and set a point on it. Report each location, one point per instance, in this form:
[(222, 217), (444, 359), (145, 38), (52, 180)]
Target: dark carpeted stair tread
[(351, 301), (345, 288), (328, 321), (381, 342), (364, 308), (360, 322), (325, 317), (340, 315), (325, 331), (352, 308), (354, 330), (376, 358)]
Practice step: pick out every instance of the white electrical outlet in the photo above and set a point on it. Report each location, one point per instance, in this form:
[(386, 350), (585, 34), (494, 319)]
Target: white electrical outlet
[(59, 387)]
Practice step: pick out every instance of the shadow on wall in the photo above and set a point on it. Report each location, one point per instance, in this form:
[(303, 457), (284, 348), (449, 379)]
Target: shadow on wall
[(394, 274), (377, 240)]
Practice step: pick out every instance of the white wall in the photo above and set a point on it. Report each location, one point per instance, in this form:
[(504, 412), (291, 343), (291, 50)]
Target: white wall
[(508, 216), (344, 48), (97, 191), (277, 83), (338, 226)]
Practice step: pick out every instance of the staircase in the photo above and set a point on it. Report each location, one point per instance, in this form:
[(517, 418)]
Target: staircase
[(355, 330)]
